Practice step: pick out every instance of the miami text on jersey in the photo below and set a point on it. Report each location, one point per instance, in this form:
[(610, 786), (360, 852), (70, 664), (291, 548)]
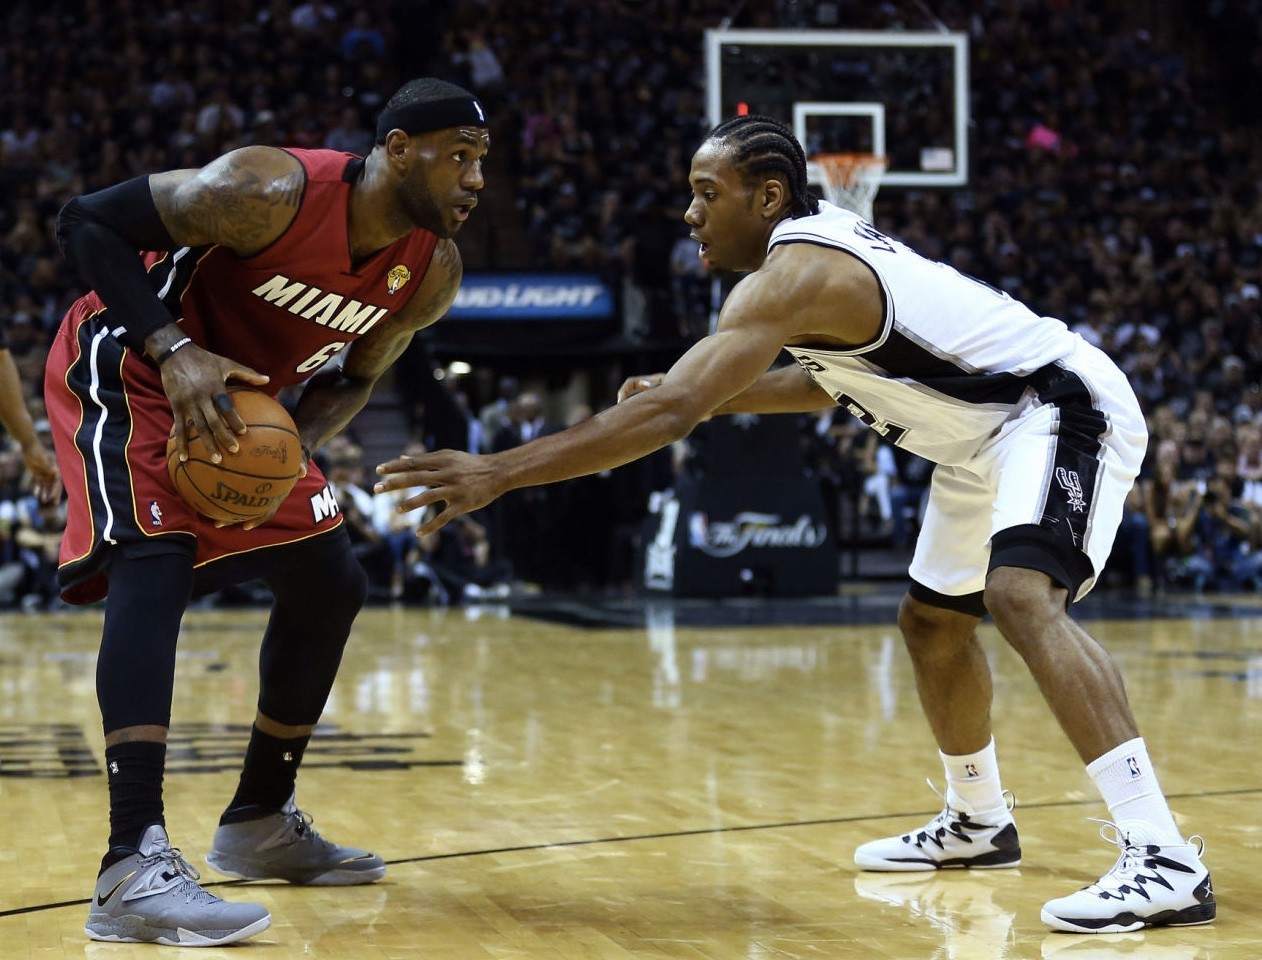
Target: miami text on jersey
[(330, 310)]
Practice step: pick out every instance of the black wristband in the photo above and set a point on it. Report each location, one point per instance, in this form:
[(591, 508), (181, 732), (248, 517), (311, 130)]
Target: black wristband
[(165, 355)]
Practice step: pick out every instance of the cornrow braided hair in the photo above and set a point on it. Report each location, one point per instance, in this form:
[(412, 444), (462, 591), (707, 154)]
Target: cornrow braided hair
[(764, 148)]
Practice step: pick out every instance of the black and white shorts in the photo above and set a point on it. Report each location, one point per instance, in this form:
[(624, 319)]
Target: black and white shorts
[(1046, 492)]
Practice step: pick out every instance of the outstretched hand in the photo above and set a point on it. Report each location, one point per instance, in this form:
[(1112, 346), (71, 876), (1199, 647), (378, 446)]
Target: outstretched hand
[(462, 482)]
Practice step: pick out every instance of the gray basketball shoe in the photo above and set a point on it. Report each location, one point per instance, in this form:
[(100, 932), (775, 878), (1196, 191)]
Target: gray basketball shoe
[(284, 846), (153, 896)]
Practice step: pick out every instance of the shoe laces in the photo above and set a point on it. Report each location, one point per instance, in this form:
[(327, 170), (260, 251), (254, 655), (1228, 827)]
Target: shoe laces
[(952, 821), (1138, 866), (171, 858), (300, 822)]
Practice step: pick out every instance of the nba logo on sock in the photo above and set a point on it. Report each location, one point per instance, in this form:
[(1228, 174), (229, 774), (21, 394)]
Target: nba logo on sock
[(970, 770), (1133, 765)]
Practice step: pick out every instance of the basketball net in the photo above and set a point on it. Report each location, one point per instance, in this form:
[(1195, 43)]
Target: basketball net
[(851, 180)]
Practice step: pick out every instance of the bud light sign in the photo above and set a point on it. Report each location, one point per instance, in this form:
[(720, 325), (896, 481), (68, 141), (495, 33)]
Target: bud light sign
[(533, 296)]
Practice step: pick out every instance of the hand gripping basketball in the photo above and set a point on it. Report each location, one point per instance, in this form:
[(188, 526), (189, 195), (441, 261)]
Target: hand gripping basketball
[(251, 483)]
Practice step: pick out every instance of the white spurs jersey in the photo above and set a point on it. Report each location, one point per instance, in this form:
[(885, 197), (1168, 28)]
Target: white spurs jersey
[(954, 359)]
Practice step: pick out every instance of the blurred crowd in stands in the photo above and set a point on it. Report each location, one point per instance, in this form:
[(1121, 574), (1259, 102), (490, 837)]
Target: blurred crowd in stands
[(1116, 183)]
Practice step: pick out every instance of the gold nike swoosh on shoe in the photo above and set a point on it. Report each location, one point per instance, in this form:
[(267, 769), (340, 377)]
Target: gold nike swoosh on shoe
[(102, 900)]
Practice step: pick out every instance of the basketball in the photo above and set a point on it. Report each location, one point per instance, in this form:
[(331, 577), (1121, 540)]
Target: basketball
[(249, 483)]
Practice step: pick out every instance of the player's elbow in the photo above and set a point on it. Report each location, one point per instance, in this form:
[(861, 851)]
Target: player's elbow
[(676, 419), (70, 220), (677, 425)]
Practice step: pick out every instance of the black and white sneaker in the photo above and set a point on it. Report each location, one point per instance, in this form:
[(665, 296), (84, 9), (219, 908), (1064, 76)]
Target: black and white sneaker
[(1148, 886), (952, 839)]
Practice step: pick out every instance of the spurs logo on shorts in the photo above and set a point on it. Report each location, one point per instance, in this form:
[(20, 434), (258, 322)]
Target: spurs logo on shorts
[(1068, 479)]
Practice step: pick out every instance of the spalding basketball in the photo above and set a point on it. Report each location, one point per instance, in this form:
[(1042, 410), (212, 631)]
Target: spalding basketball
[(249, 483)]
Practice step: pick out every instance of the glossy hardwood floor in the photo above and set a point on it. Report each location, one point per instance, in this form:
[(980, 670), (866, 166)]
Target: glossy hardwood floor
[(543, 791)]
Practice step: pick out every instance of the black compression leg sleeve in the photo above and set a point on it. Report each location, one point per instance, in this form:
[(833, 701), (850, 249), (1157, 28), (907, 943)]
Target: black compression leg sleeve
[(302, 649), (135, 676), (135, 672)]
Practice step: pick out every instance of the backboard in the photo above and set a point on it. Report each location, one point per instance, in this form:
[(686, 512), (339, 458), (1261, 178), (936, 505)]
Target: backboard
[(902, 95)]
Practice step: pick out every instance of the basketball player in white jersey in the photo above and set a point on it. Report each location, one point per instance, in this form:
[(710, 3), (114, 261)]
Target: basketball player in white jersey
[(1037, 438)]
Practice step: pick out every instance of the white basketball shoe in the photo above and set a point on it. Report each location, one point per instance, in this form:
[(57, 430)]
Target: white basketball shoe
[(952, 839), (1150, 885)]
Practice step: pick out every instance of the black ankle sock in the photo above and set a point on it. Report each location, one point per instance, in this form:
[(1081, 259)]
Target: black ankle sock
[(134, 770), (112, 856), (267, 780)]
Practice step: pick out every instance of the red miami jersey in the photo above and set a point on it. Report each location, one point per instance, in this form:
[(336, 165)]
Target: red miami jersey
[(285, 312)]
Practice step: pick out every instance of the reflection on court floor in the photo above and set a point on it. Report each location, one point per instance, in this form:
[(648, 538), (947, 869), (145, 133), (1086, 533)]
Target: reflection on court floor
[(574, 779)]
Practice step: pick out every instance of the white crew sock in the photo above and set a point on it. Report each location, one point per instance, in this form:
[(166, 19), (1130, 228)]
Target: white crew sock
[(1126, 780), (973, 782)]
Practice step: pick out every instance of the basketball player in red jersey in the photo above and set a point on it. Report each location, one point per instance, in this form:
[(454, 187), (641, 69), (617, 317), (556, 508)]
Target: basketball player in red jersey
[(259, 269)]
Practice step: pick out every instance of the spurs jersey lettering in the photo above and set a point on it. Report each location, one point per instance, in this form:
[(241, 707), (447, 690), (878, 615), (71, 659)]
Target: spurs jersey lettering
[(289, 309), (954, 359)]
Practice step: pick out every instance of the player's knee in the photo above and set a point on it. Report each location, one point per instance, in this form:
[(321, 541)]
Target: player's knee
[(349, 584), (315, 608), (337, 587), (1023, 602), (928, 629)]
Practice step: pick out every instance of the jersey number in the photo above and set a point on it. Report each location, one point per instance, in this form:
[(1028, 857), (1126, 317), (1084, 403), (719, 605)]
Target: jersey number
[(876, 239), (320, 357), (892, 432)]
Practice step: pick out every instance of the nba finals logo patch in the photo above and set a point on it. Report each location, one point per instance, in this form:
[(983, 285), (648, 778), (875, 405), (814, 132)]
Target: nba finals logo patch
[(1068, 479), (155, 513), (397, 277)]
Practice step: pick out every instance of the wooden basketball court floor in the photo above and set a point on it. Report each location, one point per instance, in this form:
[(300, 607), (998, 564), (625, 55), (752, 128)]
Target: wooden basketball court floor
[(651, 781)]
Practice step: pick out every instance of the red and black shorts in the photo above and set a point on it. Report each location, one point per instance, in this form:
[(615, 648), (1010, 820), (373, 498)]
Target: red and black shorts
[(110, 420)]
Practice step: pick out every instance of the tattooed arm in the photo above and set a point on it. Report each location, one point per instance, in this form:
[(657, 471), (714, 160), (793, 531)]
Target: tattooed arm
[(243, 201), (331, 398)]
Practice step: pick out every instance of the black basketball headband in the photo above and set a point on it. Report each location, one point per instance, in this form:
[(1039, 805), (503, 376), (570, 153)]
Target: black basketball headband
[(432, 115)]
